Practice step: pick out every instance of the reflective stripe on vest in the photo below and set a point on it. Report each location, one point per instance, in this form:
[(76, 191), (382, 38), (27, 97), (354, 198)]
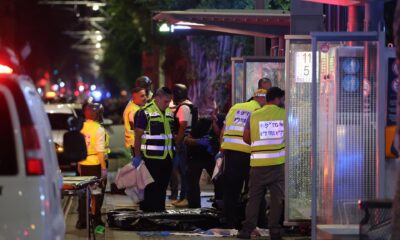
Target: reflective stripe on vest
[(234, 126), (157, 137), (267, 128), (267, 155), (156, 148), (267, 142), (157, 140), (234, 140)]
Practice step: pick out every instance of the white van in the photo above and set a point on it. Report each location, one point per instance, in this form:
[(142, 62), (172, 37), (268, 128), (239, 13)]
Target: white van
[(30, 180)]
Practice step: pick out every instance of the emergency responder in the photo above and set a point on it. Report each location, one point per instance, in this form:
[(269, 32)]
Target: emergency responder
[(153, 133), (263, 83), (145, 82), (94, 164), (183, 122), (138, 100), (203, 144), (237, 155), (265, 131)]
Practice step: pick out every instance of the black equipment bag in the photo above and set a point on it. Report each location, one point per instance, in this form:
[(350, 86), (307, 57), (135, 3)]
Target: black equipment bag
[(74, 146)]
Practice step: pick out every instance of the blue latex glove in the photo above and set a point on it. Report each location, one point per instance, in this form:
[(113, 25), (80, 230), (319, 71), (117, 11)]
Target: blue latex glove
[(210, 149), (204, 141), (136, 161), (218, 155), (176, 161)]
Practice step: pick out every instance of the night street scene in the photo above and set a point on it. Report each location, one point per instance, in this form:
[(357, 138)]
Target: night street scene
[(199, 119)]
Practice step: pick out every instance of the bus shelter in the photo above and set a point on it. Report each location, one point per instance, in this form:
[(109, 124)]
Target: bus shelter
[(348, 161), (298, 72), (247, 70)]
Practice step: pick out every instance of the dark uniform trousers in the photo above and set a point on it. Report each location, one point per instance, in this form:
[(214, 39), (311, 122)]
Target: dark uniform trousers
[(195, 168), (155, 193), (92, 170), (235, 171), (261, 178)]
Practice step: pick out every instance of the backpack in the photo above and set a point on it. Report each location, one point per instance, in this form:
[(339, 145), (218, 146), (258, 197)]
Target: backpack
[(74, 146), (193, 110)]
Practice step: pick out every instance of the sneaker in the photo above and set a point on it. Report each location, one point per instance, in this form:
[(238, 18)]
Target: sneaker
[(181, 203), (100, 229), (173, 202), (244, 235), (80, 225)]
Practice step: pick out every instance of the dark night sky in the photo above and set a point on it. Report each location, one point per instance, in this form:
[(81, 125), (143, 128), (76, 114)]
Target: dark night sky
[(41, 26)]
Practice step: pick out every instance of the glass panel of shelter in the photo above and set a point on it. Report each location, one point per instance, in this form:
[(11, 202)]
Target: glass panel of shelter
[(345, 129)]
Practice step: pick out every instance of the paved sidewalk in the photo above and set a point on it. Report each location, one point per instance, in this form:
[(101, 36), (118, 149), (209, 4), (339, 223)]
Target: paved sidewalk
[(121, 201)]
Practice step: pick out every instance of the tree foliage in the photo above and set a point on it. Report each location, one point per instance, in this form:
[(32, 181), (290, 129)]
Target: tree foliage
[(130, 27)]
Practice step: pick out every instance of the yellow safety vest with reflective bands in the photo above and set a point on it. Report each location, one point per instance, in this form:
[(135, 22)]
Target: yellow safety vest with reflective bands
[(157, 139), (129, 132), (234, 126), (267, 130)]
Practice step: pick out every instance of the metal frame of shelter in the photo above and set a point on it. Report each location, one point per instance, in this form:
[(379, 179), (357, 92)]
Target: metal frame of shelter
[(356, 129), (298, 135), (247, 70), (257, 23)]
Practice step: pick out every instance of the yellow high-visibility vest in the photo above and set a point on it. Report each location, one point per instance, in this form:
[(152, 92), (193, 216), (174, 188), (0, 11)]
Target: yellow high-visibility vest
[(157, 140), (107, 143), (234, 126), (267, 131), (129, 131), (89, 131)]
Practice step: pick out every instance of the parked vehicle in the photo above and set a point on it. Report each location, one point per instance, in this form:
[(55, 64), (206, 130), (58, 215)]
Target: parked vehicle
[(30, 180), (59, 114)]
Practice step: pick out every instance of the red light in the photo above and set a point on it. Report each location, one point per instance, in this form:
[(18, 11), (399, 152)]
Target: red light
[(5, 69), (76, 93), (33, 154), (30, 138), (34, 167)]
